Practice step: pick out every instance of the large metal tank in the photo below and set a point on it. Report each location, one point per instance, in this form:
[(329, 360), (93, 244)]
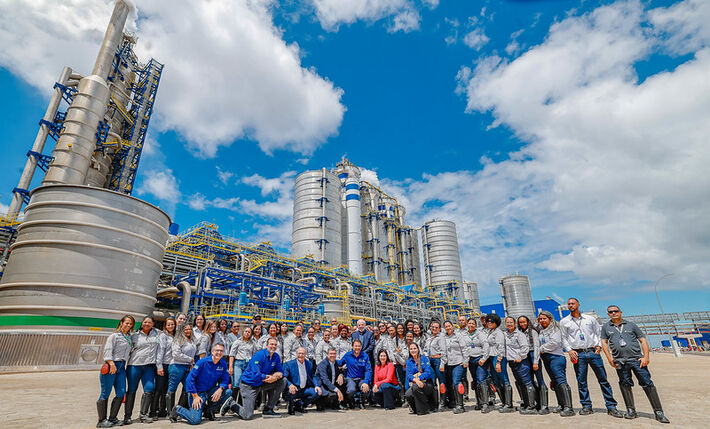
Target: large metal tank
[(85, 252), (317, 217), (471, 295), (443, 261), (517, 296)]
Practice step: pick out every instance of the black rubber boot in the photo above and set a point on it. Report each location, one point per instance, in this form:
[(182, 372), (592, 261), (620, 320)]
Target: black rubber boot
[(529, 400), (543, 398), (477, 391), (520, 387), (101, 409), (113, 413), (507, 399), (146, 401), (567, 409), (458, 409), (128, 409), (442, 402), (655, 401), (491, 391), (560, 400), (155, 405), (482, 390), (628, 396), (170, 403)]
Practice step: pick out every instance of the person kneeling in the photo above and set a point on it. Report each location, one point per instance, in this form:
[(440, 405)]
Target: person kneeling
[(385, 382), (207, 388), (329, 377), (358, 375), (420, 394), (263, 373), (301, 391)]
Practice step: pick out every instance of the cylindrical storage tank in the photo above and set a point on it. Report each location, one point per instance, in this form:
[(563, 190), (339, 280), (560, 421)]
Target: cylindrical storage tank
[(85, 252), (517, 296), (333, 308), (472, 295), (317, 217), (443, 253), (351, 190)]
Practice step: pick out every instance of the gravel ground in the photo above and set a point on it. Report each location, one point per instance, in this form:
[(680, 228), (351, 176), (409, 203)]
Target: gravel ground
[(67, 400)]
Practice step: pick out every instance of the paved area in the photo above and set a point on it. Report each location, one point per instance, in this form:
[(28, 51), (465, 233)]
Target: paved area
[(67, 400)]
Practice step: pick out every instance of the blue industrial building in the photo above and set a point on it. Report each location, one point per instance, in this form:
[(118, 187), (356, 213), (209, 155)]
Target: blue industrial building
[(548, 304)]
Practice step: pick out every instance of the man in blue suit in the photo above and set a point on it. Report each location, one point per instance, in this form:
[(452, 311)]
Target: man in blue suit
[(301, 391), (329, 377)]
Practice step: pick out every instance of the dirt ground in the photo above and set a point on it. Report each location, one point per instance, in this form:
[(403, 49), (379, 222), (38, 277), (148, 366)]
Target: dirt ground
[(67, 400)]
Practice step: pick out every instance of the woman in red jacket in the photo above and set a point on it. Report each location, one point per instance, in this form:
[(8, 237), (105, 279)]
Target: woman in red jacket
[(385, 384)]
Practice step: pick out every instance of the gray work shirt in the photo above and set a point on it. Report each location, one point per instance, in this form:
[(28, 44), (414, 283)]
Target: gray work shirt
[(477, 343), (630, 333), (322, 350), (291, 345), (205, 347), (310, 347), (242, 350), (533, 344), (117, 347), (165, 351), (342, 346), (516, 346), (551, 341), (436, 345), (145, 347), (455, 350), (183, 354), (496, 344), (400, 350)]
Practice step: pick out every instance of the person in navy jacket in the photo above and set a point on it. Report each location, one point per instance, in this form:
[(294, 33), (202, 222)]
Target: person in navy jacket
[(264, 373), (420, 394), (366, 338), (329, 377), (301, 390), (358, 375), (207, 388)]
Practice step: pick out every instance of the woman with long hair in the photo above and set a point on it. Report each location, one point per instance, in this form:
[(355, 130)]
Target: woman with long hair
[(453, 364), (420, 336), (233, 334), (223, 331), (385, 381), (477, 348), (256, 333), (198, 326), (420, 394), (272, 331), (117, 351), (437, 348), (165, 356), (180, 319), (496, 364), (141, 369), (555, 363), (242, 350), (184, 350), (516, 352), (209, 338), (527, 328), (401, 353)]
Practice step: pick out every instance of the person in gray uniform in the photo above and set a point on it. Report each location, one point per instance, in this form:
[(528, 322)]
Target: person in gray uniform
[(436, 346), (627, 350), (242, 350), (477, 346), (293, 342), (516, 353), (454, 361), (233, 335), (184, 350), (117, 350), (342, 343), (463, 331), (527, 328), (141, 369), (311, 344), (322, 347), (165, 355), (497, 364), (272, 332), (555, 363), (318, 335)]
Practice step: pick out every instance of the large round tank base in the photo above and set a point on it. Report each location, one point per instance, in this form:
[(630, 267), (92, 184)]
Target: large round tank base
[(84, 252), (334, 308)]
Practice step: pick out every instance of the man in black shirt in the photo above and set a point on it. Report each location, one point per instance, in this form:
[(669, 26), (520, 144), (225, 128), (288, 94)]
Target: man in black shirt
[(627, 350)]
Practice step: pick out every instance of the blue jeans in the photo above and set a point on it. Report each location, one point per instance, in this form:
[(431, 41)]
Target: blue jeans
[(178, 374), (307, 396), (624, 370), (115, 381), (556, 366), (145, 374), (587, 359), (385, 395), (478, 372), (193, 416), (454, 375), (522, 372), (401, 377), (536, 375), (499, 378), (435, 362), (353, 388), (239, 367)]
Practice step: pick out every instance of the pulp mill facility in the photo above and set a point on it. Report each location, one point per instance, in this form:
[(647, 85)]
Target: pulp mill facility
[(83, 252)]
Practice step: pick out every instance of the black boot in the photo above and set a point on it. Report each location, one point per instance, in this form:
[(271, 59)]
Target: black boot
[(458, 409), (112, 417), (476, 390), (501, 394), (170, 404), (529, 400), (128, 409), (155, 405), (442, 402), (543, 399), (655, 401), (491, 391), (628, 396), (101, 409), (482, 391), (560, 400), (520, 387), (146, 401), (566, 395), (507, 399)]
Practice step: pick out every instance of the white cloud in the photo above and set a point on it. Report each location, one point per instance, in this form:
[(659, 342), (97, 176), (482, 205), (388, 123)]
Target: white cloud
[(369, 176), (197, 202), (224, 176), (162, 185), (228, 72), (476, 39), (4, 209), (402, 14), (611, 185)]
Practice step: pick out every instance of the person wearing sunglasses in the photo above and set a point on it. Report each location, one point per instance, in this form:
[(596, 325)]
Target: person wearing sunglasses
[(627, 350)]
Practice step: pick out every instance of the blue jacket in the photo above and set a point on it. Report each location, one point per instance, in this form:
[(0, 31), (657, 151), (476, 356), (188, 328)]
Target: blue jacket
[(367, 339), (358, 367), (323, 374), (412, 369), (259, 366), (206, 374), (293, 377)]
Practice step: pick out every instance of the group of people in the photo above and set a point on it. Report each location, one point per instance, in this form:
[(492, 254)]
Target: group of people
[(225, 368)]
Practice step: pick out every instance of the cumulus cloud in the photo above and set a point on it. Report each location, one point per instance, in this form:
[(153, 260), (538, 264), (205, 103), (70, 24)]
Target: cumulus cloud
[(476, 39), (611, 185), (224, 176), (161, 185), (402, 14), (229, 74)]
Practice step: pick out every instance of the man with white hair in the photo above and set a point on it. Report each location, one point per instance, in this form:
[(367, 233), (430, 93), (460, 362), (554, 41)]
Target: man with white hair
[(301, 391), (367, 339)]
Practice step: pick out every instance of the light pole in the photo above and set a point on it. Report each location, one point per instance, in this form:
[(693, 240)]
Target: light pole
[(663, 314)]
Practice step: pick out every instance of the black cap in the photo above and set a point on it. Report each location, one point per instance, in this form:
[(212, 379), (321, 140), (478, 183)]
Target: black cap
[(257, 316)]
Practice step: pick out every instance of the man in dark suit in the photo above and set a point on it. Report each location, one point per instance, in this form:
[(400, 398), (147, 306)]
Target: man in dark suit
[(367, 339), (301, 391), (329, 377)]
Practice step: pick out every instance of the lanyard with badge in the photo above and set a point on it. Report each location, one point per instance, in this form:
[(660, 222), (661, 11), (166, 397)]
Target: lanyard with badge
[(579, 325), (622, 342)]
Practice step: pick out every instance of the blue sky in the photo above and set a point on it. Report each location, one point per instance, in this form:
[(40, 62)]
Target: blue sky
[(567, 139)]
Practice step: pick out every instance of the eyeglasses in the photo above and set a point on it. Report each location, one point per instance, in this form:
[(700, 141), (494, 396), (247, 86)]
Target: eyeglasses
[(613, 311)]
